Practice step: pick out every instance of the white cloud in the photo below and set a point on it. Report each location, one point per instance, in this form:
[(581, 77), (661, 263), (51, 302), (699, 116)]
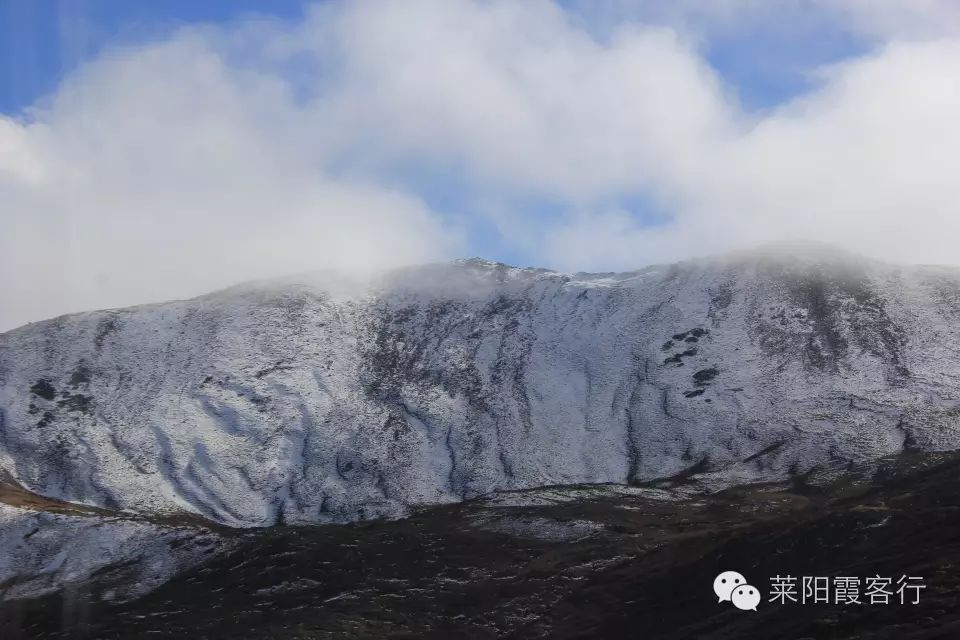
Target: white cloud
[(525, 98), (896, 19), (261, 148), (865, 162), (528, 101), (160, 172)]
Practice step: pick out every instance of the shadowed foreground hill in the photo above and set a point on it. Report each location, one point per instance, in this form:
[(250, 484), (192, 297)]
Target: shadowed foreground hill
[(566, 562)]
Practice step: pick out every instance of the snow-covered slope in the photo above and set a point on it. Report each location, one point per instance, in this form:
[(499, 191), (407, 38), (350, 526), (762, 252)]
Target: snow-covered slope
[(113, 559), (323, 399)]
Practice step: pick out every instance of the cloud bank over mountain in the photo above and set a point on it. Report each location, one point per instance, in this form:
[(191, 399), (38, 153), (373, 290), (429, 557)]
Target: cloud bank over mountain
[(372, 134)]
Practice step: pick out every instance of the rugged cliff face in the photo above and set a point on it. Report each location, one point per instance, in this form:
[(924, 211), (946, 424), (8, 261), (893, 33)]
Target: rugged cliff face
[(319, 399)]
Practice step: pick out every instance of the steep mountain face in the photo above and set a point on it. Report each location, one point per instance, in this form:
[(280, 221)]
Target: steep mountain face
[(318, 399)]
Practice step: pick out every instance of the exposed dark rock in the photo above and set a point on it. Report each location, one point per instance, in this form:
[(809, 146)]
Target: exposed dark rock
[(43, 389), (80, 375), (677, 357), (704, 376), (76, 402)]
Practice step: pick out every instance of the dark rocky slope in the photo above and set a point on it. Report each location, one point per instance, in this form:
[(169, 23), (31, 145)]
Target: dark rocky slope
[(569, 562)]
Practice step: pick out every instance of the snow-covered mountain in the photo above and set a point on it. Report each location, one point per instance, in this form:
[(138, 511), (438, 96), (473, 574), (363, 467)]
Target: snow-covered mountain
[(327, 398)]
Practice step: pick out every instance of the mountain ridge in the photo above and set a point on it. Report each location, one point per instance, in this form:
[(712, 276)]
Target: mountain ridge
[(361, 280)]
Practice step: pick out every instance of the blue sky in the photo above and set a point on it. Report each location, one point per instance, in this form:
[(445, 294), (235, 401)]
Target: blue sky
[(162, 149), (43, 40)]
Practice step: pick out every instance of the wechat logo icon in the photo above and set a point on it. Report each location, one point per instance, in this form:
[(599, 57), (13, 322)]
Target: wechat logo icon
[(732, 587)]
